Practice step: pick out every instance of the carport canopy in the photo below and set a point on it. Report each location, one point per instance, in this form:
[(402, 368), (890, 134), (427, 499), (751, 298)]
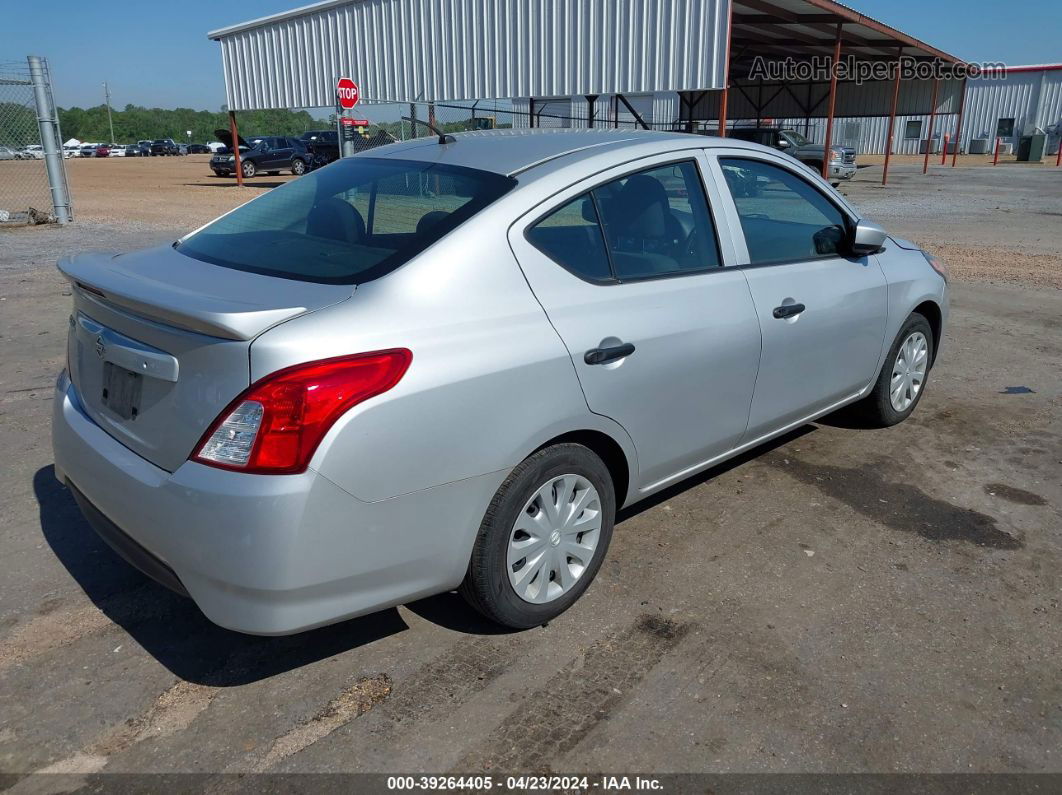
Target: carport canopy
[(780, 64)]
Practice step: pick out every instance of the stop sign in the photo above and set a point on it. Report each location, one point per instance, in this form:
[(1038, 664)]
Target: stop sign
[(347, 91)]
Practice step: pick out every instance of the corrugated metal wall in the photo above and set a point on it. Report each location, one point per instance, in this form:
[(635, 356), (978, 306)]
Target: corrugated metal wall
[(475, 49), (1032, 99)]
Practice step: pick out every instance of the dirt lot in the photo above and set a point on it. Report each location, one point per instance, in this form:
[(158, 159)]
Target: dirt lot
[(842, 600)]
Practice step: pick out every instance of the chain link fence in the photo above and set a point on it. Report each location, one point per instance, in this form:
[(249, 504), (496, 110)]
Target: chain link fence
[(23, 178)]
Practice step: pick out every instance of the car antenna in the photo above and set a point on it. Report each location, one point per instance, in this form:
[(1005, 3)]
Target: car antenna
[(444, 138)]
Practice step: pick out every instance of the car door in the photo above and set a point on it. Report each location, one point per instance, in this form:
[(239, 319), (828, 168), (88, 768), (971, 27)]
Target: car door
[(280, 157), (822, 314), (663, 335)]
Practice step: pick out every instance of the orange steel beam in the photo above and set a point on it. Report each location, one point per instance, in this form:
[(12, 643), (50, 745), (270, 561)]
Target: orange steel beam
[(932, 118), (833, 101), (958, 125), (236, 147), (892, 125)]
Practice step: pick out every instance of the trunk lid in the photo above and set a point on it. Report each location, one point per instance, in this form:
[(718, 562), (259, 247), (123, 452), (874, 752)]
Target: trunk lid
[(159, 343)]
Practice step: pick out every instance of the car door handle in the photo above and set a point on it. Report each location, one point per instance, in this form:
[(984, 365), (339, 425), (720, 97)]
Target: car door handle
[(788, 310), (610, 354)]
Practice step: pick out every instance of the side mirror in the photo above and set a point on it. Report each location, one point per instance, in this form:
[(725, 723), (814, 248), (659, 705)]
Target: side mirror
[(867, 238)]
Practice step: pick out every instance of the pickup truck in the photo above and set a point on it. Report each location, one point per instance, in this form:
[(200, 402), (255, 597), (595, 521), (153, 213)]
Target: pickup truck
[(842, 158)]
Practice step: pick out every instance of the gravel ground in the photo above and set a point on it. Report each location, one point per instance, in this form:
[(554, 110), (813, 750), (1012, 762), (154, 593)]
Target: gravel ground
[(840, 600), (997, 225)]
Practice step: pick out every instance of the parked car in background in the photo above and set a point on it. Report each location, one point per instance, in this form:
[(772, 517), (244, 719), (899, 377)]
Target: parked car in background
[(103, 150), (323, 148), (182, 149), (842, 158), (71, 151), (88, 150), (273, 414), (31, 152), (164, 146), (117, 150), (198, 149), (131, 150), (269, 154), (7, 153)]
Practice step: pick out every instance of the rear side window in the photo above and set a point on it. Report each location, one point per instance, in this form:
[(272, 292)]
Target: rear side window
[(347, 223), (650, 224), (571, 236), (783, 218)]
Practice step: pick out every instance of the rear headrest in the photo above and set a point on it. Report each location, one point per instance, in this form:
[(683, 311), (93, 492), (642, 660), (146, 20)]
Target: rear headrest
[(428, 220)]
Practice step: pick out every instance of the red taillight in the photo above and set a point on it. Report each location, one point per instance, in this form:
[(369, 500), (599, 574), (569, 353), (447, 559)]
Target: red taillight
[(275, 426)]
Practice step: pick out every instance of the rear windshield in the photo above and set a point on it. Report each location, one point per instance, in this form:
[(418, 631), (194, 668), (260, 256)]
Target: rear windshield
[(347, 223)]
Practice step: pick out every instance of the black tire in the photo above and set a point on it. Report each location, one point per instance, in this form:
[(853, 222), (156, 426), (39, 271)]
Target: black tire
[(486, 586), (876, 409)]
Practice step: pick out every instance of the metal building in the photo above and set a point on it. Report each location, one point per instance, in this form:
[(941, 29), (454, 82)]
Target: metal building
[(438, 50), (668, 64)]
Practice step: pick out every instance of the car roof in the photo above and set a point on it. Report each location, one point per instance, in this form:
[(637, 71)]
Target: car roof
[(511, 152)]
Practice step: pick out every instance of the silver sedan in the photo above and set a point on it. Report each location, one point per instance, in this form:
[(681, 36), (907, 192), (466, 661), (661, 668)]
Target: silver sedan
[(446, 363)]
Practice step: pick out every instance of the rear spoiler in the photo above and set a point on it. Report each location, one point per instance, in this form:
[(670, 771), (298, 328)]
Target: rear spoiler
[(162, 285)]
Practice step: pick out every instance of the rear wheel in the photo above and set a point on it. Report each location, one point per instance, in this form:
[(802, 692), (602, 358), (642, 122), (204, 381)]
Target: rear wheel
[(298, 167), (902, 379), (543, 537), (249, 169)]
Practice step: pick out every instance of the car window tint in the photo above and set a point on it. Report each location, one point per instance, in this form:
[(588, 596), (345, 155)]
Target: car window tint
[(783, 218), (351, 222), (656, 223), (571, 237)]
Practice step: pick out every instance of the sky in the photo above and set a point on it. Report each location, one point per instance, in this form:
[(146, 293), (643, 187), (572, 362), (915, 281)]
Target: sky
[(157, 54)]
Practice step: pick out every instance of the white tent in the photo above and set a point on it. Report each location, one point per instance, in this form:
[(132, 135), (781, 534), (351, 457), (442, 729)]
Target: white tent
[(72, 142)]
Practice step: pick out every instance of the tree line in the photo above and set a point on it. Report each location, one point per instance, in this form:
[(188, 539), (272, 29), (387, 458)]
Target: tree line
[(136, 123), (18, 124)]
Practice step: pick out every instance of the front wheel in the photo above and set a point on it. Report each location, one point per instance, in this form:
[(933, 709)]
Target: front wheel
[(543, 537), (902, 379)]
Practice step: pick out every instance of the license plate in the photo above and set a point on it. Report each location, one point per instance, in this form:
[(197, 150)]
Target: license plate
[(121, 390)]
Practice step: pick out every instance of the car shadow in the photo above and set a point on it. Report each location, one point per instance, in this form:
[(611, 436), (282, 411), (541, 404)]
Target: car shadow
[(170, 627), (175, 632), (693, 482), (450, 611), (230, 182)]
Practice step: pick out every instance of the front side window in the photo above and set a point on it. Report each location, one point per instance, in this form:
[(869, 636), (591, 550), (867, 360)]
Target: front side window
[(347, 223), (783, 218)]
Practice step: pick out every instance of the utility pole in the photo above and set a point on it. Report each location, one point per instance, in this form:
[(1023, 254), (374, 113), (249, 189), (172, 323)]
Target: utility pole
[(107, 99)]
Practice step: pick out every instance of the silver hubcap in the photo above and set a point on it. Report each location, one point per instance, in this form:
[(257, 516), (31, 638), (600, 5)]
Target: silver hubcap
[(909, 371), (554, 539)]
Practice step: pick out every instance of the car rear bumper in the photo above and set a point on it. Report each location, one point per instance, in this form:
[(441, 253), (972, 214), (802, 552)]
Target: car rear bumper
[(269, 555)]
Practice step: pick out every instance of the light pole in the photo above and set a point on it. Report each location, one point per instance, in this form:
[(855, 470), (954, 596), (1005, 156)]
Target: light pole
[(107, 99)]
